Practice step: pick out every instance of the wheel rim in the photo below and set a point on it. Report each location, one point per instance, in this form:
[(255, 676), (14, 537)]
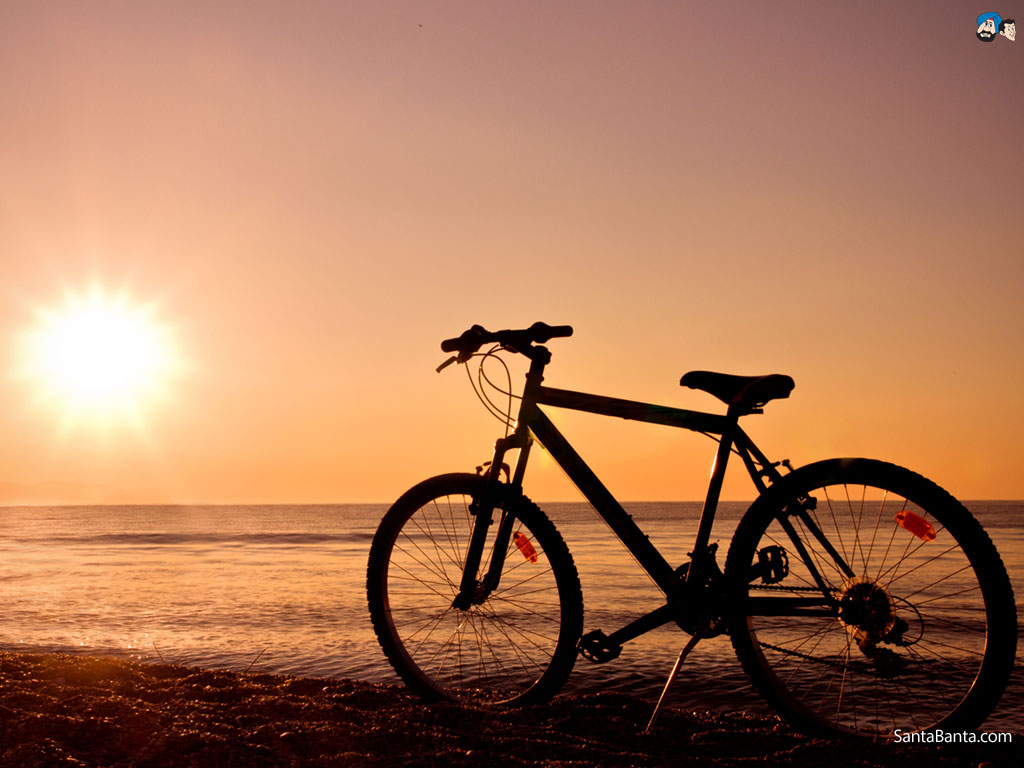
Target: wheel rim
[(495, 650), (908, 640)]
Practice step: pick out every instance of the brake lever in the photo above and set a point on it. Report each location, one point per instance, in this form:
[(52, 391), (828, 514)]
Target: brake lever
[(446, 363)]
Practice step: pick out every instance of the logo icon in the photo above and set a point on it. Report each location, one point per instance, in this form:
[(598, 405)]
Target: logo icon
[(991, 24)]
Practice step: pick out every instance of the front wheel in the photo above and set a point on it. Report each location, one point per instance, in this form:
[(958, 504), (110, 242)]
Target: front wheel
[(866, 599), (516, 644)]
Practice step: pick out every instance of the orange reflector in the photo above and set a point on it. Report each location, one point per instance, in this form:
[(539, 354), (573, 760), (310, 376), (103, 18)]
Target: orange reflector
[(525, 546), (916, 524)]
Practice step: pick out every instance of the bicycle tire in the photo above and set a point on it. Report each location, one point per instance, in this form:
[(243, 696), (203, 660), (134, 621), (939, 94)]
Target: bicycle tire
[(519, 645), (861, 672)]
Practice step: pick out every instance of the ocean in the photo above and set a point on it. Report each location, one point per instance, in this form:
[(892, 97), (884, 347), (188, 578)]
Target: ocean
[(282, 589)]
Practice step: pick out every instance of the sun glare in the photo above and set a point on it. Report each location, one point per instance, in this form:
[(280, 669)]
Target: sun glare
[(99, 355)]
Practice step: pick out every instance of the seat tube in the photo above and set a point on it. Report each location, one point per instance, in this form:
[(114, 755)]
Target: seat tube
[(707, 514)]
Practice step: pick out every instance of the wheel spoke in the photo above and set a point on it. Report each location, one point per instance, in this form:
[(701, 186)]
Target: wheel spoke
[(515, 643), (913, 633)]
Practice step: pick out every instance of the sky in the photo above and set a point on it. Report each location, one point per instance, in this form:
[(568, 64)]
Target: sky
[(303, 199)]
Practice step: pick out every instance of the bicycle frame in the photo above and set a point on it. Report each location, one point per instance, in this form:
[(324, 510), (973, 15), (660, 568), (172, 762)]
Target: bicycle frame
[(474, 595), (621, 523), (534, 424)]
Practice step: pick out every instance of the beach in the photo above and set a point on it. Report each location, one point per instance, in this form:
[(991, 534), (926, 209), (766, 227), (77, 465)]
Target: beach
[(281, 589), (61, 710)]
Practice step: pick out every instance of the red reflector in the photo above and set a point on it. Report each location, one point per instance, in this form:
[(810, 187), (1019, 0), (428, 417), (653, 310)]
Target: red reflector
[(916, 524), (525, 546)]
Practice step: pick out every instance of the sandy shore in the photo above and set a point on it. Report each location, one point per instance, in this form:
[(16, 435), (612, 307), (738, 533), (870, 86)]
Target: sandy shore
[(58, 710)]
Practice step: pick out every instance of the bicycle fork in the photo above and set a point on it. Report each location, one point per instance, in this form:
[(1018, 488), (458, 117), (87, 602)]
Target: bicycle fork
[(471, 590)]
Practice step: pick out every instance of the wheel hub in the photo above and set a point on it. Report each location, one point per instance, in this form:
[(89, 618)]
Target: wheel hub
[(867, 608)]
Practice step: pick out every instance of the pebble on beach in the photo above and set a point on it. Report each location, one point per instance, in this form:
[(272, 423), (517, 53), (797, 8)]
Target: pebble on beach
[(76, 710)]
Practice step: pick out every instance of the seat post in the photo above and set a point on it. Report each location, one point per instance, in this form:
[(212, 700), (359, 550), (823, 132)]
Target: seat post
[(707, 513)]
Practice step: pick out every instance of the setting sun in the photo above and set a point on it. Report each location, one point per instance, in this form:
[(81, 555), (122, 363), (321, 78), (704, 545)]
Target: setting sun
[(99, 354)]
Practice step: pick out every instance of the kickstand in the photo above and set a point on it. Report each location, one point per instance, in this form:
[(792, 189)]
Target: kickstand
[(672, 677)]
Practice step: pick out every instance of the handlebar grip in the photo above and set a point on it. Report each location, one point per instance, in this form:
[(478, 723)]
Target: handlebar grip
[(539, 333), (469, 341), (559, 331)]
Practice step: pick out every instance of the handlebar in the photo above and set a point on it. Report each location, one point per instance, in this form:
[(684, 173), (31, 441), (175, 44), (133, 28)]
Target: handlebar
[(516, 340)]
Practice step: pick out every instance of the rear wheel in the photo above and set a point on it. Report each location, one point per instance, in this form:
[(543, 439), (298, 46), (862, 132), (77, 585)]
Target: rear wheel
[(898, 614), (516, 646)]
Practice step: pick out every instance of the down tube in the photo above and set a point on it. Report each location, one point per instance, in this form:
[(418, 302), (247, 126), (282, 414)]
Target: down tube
[(622, 525)]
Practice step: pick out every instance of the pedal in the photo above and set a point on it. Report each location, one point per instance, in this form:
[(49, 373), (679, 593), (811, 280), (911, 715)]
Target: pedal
[(772, 564), (594, 646)]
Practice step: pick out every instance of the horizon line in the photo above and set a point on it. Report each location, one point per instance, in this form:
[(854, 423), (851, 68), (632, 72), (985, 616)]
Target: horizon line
[(31, 505)]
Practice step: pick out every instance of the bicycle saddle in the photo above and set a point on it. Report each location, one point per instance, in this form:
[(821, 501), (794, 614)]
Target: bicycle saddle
[(748, 392)]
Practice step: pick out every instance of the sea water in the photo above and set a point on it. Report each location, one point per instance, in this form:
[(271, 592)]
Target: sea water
[(282, 589)]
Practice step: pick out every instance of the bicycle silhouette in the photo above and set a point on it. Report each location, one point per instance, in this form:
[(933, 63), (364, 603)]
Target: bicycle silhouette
[(859, 596)]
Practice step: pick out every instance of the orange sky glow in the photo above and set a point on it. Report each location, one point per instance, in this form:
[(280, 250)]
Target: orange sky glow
[(305, 199)]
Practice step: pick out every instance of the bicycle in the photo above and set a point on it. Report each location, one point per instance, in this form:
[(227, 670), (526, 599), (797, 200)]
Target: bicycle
[(859, 596)]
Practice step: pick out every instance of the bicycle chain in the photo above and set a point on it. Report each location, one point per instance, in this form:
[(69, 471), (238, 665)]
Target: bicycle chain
[(783, 587), (787, 651)]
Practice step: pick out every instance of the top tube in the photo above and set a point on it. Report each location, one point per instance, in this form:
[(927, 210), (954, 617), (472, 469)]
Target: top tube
[(634, 411)]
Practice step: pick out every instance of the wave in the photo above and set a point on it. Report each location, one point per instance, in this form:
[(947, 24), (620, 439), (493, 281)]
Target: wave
[(200, 538)]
